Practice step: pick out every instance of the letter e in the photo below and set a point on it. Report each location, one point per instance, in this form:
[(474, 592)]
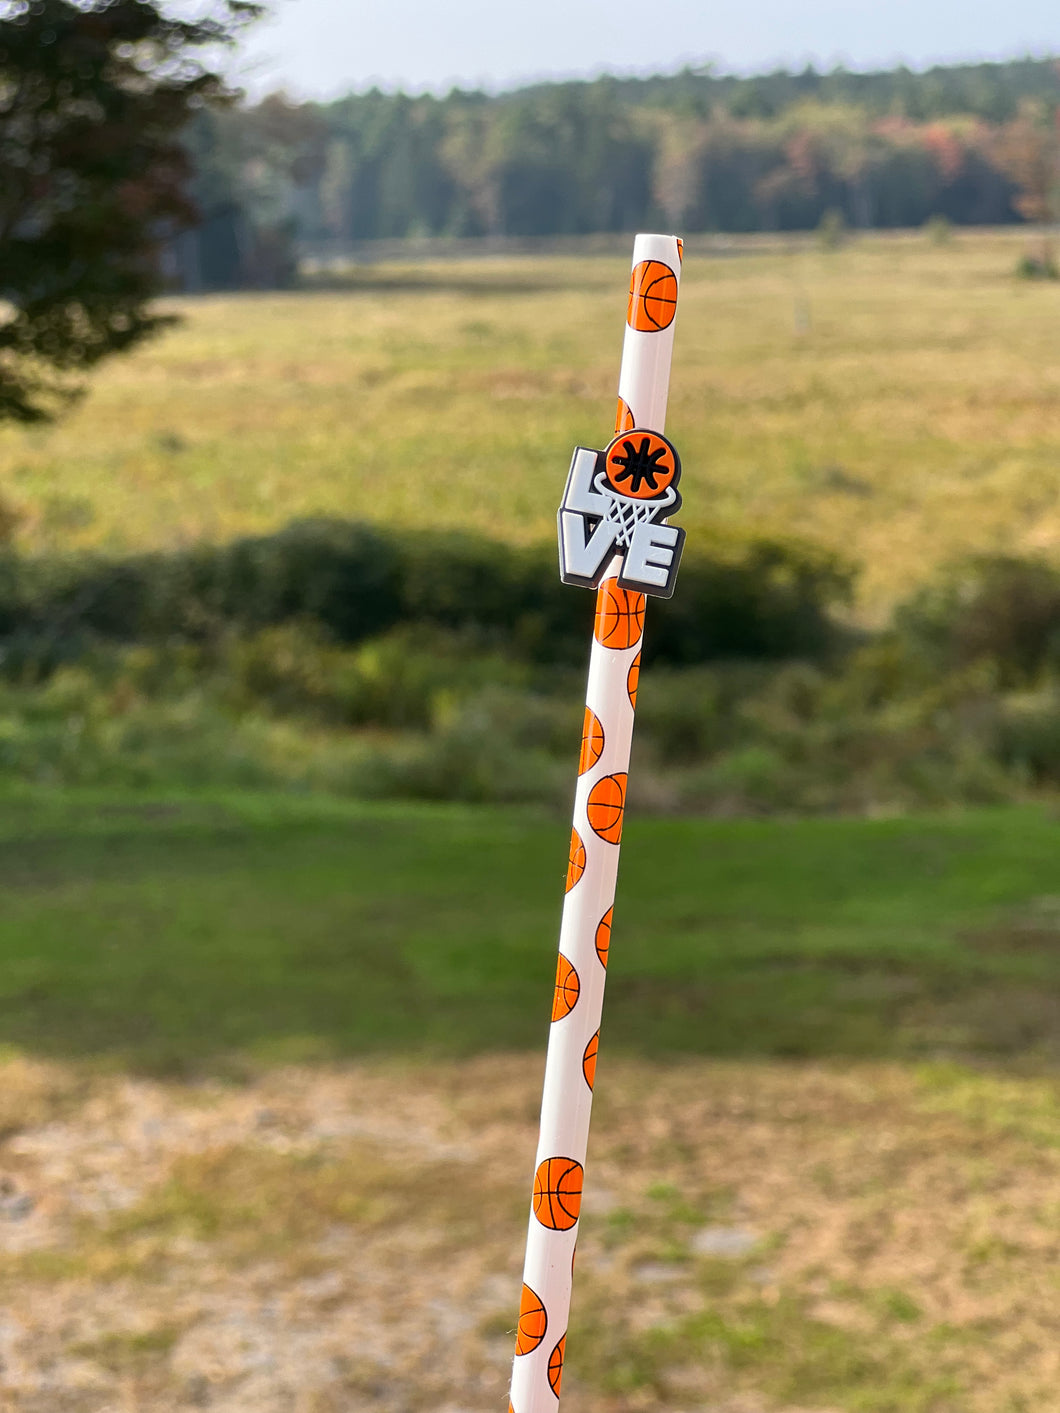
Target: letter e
[(652, 559)]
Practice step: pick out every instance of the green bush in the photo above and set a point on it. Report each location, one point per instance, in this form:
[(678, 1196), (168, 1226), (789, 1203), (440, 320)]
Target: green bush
[(938, 229), (831, 229), (999, 610), (1037, 267), (754, 599), (1028, 737), (240, 682)]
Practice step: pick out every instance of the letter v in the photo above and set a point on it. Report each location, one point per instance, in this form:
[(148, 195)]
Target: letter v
[(583, 555)]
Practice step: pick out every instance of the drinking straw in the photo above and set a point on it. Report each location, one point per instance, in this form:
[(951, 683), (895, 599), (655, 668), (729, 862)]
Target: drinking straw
[(592, 870)]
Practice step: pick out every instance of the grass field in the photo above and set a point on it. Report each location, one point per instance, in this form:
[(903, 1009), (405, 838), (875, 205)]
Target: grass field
[(270, 1063), (287, 929), (272, 1058), (896, 399)]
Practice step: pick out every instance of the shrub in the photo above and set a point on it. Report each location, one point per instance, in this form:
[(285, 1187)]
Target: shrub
[(755, 598), (1037, 267), (1001, 611), (831, 229), (938, 229), (1028, 737)]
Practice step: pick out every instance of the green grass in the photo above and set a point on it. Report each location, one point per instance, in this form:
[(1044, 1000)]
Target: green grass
[(911, 421), (182, 934)]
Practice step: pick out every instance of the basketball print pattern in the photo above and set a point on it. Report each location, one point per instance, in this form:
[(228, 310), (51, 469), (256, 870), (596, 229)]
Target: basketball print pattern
[(619, 620), (592, 865), (555, 1366), (592, 742), (575, 860), (533, 1322), (589, 1060), (558, 1193), (652, 297), (603, 937), (568, 988), (633, 681), (606, 807)]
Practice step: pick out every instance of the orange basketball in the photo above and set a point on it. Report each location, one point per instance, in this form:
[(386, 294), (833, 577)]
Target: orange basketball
[(592, 742), (619, 616), (575, 860), (568, 988), (533, 1322), (589, 1060), (624, 420), (558, 1193), (555, 1366), (633, 681), (680, 250), (603, 936), (640, 464), (605, 807), (652, 297)]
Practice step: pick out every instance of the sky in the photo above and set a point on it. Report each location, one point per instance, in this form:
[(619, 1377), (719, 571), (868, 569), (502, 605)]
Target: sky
[(323, 48)]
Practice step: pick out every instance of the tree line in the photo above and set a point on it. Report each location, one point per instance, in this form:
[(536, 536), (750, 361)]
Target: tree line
[(128, 165), (698, 151)]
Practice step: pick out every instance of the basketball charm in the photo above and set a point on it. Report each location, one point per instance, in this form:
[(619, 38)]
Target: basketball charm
[(617, 502), (641, 465)]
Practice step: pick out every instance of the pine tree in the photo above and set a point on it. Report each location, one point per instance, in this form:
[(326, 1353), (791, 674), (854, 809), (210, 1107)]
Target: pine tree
[(94, 95)]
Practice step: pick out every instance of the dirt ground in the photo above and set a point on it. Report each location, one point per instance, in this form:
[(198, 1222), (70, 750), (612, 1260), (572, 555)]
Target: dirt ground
[(309, 1240)]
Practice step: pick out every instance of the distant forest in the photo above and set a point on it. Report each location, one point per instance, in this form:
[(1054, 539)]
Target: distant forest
[(696, 151)]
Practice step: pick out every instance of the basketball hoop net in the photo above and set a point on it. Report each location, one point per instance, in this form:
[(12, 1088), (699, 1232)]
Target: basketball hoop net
[(625, 513)]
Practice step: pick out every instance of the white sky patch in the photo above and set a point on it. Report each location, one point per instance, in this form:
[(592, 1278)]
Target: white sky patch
[(323, 48)]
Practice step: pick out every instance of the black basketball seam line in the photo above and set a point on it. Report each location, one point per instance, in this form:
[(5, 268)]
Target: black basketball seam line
[(555, 1376), (572, 1215), (566, 1223), (669, 275), (569, 1004)]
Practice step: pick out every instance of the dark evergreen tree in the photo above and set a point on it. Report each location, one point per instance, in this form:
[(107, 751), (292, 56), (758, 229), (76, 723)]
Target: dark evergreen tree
[(94, 96)]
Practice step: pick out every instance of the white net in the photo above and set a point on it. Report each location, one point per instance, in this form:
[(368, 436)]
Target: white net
[(626, 513)]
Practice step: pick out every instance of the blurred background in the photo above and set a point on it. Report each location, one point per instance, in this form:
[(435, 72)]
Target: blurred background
[(302, 309)]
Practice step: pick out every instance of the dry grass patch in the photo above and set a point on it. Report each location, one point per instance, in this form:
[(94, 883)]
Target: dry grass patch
[(755, 1237)]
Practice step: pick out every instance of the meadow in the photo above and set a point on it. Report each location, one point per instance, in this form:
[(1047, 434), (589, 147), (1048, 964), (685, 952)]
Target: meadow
[(269, 1059), (274, 972), (897, 400)]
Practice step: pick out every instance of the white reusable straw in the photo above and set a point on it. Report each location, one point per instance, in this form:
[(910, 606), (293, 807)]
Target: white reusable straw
[(585, 931)]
